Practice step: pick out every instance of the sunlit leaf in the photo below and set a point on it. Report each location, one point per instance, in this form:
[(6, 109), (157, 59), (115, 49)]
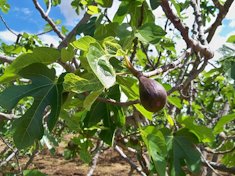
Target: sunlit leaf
[(231, 39), (111, 46), (169, 118), (144, 112), (99, 63), (175, 101), (104, 3), (219, 127), (92, 10), (83, 43), (90, 99), (67, 54), (78, 84)]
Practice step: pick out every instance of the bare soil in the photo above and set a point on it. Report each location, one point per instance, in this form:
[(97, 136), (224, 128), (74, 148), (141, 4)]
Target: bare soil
[(109, 164)]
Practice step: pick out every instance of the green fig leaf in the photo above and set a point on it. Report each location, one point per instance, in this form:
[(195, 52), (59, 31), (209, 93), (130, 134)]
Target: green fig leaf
[(183, 152), (39, 55), (79, 84), (83, 43), (219, 127), (45, 92), (90, 99), (156, 145), (99, 63), (203, 133), (150, 33)]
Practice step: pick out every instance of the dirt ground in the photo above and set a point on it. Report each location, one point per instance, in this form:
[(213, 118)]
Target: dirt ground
[(109, 164)]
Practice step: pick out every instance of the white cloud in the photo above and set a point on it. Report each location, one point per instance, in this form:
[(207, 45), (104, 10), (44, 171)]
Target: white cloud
[(7, 37), (69, 13), (232, 23), (25, 11), (50, 39), (230, 14), (217, 42)]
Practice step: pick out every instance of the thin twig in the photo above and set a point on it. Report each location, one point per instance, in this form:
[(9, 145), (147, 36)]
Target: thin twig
[(48, 19), (219, 167), (13, 154), (191, 76), (49, 8), (35, 151), (132, 164), (135, 41), (146, 54), (45, 32), (206, 162), (195, 73), (7, 116), (133, 53), (167, 67), (8, 28), (220, 152), (113, 102)]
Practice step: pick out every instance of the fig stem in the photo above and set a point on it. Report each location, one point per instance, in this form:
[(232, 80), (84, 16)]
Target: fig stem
[(129, 65)]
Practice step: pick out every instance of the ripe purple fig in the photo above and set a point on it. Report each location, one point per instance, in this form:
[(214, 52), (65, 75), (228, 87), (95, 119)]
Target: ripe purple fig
[(153, 96)]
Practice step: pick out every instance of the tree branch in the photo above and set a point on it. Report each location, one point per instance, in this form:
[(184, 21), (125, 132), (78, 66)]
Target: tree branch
[(95, 158), (204, 50), (220, 152), (6, 59), (223, 10), (73, 32), (113, 102), (220, 167), (198, 19), (13, 154), (48, 19), (7, 116), (217, 4)]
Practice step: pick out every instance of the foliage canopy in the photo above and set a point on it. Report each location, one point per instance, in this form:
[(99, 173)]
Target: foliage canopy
[(96, 97)]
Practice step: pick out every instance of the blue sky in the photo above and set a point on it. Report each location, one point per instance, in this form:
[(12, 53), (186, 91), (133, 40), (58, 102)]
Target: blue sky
[(23, 17)]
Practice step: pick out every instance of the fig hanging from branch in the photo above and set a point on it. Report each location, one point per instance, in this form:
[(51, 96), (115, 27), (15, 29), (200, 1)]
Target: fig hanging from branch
[(153, 96)]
